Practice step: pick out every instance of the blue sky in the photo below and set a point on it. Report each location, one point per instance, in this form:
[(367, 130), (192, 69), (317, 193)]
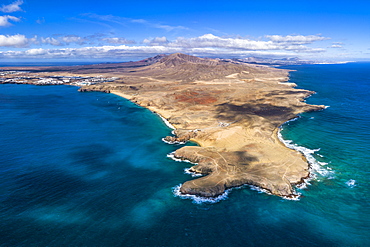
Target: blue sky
[(122, 30)]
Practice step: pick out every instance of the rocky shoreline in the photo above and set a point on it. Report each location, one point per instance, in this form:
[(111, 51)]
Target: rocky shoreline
[(232, 110)]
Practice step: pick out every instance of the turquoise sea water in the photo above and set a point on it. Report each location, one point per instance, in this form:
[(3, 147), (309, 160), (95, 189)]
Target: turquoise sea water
[(90, 169)]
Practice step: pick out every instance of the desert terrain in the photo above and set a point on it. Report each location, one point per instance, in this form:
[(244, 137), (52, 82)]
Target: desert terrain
[(232, 110)]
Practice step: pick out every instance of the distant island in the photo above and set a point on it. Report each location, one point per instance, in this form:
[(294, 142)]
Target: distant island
[(231, 108)]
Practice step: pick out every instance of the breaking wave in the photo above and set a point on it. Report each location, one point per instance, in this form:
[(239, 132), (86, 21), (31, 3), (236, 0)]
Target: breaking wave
[(199, 199), (351, 183), (193, 174), (316, 167), (172, 156), (168, 124), (175, 142)]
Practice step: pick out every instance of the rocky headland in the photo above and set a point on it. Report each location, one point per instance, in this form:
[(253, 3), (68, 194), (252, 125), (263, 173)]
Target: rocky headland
[(232, 110)]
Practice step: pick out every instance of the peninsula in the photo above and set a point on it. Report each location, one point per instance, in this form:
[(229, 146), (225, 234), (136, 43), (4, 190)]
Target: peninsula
[(231, 109)]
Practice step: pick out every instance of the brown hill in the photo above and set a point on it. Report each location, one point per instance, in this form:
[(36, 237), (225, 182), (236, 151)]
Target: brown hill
[(175, 67)]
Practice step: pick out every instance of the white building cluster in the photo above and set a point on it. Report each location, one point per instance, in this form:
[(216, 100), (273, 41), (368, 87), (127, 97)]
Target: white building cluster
[(12, 77)]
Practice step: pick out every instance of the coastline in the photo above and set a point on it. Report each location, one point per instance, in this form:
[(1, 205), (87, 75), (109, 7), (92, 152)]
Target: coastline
[(137, 180), (196, 198), (199, 173), (233, 114)]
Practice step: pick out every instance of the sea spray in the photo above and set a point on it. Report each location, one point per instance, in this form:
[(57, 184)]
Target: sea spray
[(172, 156), (351, 183), (168, 124), (186, 170), (316, 167), (175, 142), (193, 174), (199, 199)]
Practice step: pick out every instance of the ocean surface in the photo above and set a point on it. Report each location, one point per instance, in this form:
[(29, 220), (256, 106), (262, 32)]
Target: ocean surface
[(90, 169)]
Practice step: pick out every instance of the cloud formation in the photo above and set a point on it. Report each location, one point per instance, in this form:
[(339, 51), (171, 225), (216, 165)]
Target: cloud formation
[(295, 39), (276, 42), (336, 46), (6, 19), (91, 39), (205, 45), (118, 41), (14, 41), (64, 40), (73, 39), (51, 41), (13, 7), (156, 41)]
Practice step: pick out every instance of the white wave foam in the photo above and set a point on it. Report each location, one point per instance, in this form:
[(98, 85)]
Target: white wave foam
[(199, 199), (293, 119), (175, 142), (316, 166), (224, 196), (259, 190), (166, 122), (303, 185), (193, 174), (172, 156), (294, 197), (351, 183)]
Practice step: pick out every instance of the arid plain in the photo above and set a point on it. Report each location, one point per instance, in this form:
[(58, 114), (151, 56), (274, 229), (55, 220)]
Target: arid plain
[(232, 110)]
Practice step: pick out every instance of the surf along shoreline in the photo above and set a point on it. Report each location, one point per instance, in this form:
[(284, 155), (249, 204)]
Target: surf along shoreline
[(312, 164), (232, 111)]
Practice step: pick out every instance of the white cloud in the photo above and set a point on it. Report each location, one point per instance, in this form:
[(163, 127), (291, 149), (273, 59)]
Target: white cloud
[(35, 52), (167, 27), (5, 20), (124, 51), (50, 41), (73, 39), (121, 51), (64, 40), (13, 7), (210, 40), (296, 39), (13, 41), (70, 39), (156, 41), (118, 41), (335, 46), (206, 45)]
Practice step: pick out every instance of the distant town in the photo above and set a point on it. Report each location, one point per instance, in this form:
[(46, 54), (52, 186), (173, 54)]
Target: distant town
[(25, 77)]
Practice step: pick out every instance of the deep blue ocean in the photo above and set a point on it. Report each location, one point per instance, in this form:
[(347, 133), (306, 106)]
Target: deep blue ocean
[(90, 169)]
